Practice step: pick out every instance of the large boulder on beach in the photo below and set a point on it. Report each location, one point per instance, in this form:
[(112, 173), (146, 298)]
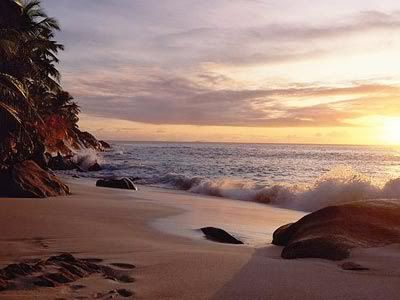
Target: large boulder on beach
[(330, 233), (27, 180), (123, 183), (219, 235)]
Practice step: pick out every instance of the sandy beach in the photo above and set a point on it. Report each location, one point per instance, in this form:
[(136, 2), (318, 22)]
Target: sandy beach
[(154, 229)]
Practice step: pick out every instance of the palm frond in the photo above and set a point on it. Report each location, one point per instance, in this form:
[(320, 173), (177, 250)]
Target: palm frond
[(13, 84), (10, 111)]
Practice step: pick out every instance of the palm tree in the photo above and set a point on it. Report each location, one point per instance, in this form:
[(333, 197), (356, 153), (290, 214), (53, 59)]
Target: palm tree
[(29, 78)]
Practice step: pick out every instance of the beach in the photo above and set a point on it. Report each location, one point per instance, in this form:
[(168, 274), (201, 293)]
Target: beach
[(154, 230), (199, 150)]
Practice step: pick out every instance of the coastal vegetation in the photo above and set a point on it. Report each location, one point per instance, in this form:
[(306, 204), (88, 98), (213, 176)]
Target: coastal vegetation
[(37, 116)]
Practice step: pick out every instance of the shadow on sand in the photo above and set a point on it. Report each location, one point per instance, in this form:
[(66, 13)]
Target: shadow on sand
[(268, 276)]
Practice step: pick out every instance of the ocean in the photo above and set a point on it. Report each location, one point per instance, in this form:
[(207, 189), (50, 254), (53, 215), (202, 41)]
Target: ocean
[(302, 177)]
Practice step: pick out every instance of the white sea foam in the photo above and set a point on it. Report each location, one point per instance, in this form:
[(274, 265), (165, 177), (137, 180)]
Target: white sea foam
[(341, 185), (86, 158), (282, 175)]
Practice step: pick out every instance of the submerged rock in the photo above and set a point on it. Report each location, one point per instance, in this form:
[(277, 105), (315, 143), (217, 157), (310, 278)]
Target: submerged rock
[(27, 180), (331, 232), (219, 235), (123, 183)]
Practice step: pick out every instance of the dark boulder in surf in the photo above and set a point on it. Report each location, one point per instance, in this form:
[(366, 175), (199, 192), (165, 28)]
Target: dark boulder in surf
[(95, 168), (330, 233), (219, 235), (27, 180), (123, 183)]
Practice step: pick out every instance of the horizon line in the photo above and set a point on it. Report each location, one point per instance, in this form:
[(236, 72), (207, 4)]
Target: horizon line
[(251, 143)]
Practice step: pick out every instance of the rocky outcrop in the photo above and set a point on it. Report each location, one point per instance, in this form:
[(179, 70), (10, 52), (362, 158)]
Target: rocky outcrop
[(88, 140), (73, 140), (123, 183), (330, 233), (219, 235), (105, 145), (64, 163), (27, 180), (58, 271), (61, 163)]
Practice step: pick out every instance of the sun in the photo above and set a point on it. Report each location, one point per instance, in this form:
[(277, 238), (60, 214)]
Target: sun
[(391, 131)]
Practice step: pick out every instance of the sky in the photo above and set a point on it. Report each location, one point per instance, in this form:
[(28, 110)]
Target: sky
[(267, 71)]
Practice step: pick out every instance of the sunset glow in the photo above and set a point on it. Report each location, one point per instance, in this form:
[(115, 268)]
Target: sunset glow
[(292, 73), (391, 129)]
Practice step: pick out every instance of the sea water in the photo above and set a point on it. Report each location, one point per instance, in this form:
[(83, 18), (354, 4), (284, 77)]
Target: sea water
[(303, 177)]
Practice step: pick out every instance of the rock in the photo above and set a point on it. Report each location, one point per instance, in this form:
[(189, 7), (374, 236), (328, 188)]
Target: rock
[(60, 278), (65, 257), (27, 180), (3, 285), (133, 179), (327, 248), (43, 281), (283, 234), (61, 163), (14, 270), (105, 145), (88, 140), (330, 233), (123, 183), (219, 235), (124, 293), (58, 270), (95, 168), (39, 156), (350, 266)]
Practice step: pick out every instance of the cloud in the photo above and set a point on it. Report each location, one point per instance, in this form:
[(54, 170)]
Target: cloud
[(144, 60), (154, 32), (157, 98)]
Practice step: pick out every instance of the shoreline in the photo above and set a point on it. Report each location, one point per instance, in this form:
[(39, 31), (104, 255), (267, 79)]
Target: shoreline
[(194, 211), (118, 226)]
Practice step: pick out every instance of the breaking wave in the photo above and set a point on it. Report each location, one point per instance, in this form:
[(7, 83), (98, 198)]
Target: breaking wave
[(86, 158), (340, 185)]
